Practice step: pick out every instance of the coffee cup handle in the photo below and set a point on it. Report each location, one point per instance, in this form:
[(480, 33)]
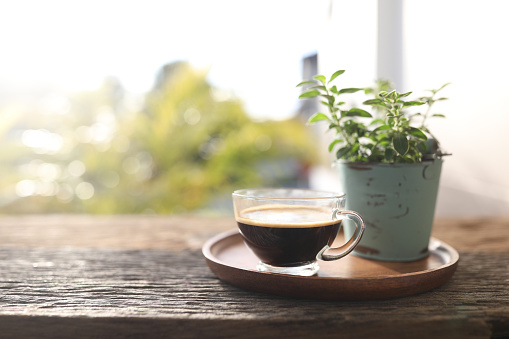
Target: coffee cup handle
[(350, 244)]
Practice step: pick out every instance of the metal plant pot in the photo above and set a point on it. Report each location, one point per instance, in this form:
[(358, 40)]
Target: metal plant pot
[(397, 203)]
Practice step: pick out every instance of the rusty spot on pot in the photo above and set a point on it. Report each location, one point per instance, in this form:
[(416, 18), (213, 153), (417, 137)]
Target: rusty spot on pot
[(402, 215), (359, 167), (377, 195), (424, 176), (371, 224), (366, 250)]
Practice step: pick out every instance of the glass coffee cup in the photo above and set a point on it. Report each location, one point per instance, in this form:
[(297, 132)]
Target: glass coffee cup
[(289, 229)]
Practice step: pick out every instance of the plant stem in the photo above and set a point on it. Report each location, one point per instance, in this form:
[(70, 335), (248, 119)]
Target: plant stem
[(426, 115)]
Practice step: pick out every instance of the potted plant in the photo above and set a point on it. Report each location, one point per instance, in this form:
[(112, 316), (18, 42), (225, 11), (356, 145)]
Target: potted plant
[(389, 165)]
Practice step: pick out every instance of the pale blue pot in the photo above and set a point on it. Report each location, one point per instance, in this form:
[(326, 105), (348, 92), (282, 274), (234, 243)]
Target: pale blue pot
[(397, 203)]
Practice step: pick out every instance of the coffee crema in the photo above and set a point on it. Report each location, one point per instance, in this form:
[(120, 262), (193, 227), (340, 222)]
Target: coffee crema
[(286, 216), (287, 235)]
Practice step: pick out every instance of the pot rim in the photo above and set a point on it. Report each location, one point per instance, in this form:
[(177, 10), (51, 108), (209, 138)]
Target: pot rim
[(384, 164)]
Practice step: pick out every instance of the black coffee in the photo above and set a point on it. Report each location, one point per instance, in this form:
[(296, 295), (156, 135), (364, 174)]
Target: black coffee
[(287, 235)]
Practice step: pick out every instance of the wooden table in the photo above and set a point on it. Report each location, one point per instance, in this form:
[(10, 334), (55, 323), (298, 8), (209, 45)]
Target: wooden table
[(144, 276)]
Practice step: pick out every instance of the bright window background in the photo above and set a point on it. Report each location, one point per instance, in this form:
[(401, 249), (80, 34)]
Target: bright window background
[(251, 47), (255, 50), (74, 141), (462, 42)]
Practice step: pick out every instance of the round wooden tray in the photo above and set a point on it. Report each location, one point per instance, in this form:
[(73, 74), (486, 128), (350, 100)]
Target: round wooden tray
[(350, 278)]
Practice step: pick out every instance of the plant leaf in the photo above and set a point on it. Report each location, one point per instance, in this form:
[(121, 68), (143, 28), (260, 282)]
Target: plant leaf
[(343, 151), (323, 88), (334, 143), (413, 103), (318, 117), (372, 102), (330, 99), (438, 115), (349, 90), (391, 94), (405, 94), (320, 78), (336, 74), (400, 143), (381, 128), (309, 94), (389, 154), (307, 82), (357, 112), (417, 133), (377, 121), (446, 84), (423, 147)]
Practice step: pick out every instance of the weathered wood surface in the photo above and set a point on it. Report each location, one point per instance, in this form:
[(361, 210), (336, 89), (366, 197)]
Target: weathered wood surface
[(139, 276)]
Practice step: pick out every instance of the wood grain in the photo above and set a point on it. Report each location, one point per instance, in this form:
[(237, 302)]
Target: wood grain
[(115, 277), (178, 287), (124, 232), (474, 235)]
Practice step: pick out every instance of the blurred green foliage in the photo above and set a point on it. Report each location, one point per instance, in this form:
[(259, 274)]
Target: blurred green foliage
[(185, 150)]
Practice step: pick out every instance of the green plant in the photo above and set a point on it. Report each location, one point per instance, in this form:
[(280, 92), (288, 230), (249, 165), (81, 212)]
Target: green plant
[(390, 136)]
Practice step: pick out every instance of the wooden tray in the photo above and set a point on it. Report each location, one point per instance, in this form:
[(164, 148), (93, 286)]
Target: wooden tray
[(350, 278)]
